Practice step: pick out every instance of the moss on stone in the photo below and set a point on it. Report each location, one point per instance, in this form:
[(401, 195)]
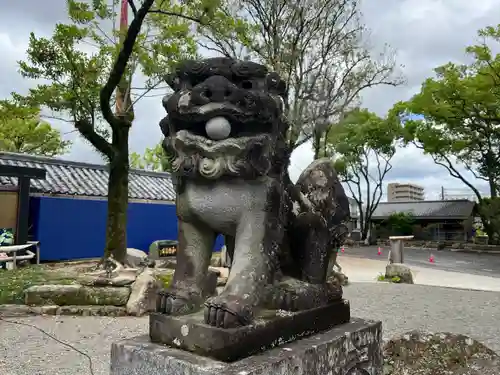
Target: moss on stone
[(420, 353), (165, 279), (63, 295)]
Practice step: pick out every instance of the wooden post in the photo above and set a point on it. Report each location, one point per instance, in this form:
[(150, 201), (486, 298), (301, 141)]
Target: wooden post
[(23, 210)]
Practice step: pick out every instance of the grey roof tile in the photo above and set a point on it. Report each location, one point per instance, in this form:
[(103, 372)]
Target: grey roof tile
[(75, 178), (426, 209)]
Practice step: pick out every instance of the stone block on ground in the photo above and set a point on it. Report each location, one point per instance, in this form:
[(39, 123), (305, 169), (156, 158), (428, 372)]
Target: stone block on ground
[(270, 328), (156, 246), (422, 353), (352, 348), (136, 257), (62, 295), (92, 310), (166, 263), (143, 293), (122, 279), (399, 270), (215, 261)]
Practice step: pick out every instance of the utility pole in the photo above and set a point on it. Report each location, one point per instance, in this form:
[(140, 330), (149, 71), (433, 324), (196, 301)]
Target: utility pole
[(120, 90), (442, 193)]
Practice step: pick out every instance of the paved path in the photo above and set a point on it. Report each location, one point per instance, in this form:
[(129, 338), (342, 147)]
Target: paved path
[(475, 264), (368, 270), (26, 351)]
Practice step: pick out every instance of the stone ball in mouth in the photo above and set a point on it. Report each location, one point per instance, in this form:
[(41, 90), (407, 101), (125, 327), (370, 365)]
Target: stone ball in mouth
[(218, 128)]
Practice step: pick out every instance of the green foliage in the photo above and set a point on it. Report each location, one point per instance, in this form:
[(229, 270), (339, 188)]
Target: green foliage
[(22, 130), (359, 138), (400, 223), (461, 109), (489, 211), (394, 279), (76, 61), (154, 159), (164, 279), (461, 115), (15, 282)]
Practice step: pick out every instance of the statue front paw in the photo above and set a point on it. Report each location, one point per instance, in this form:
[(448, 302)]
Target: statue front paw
[(227, 312), (176, 302)]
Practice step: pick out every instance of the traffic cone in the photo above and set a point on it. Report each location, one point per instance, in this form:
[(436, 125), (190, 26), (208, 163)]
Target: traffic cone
[(431, 259), (342, 250), (379, 251)]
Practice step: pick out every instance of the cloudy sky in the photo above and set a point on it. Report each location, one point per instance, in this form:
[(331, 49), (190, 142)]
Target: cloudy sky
[(425, 34)]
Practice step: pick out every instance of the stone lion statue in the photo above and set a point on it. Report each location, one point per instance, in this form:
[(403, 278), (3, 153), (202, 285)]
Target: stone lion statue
[(226, 129)]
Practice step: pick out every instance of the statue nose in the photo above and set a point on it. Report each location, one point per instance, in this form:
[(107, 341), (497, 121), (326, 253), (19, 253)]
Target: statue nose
[(215, 89)]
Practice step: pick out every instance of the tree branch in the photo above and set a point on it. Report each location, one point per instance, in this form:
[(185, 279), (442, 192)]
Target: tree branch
[(133, 7), (120, 65), (88, 132)]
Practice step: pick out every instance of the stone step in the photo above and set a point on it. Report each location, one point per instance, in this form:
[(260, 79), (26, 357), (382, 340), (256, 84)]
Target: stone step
[(63, 295)]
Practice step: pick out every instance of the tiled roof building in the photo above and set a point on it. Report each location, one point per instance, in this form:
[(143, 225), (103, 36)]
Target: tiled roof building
[(89, 180)]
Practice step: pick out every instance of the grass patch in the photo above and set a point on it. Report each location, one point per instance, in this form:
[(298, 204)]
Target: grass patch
[(394, 279), (165, 279), (14, 282)]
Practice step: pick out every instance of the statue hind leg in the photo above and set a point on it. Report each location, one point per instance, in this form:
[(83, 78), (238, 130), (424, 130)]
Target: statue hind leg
[(316, 227), (322, 227)]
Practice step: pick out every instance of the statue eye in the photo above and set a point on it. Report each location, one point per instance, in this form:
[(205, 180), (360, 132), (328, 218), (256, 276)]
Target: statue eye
[(247, 85)]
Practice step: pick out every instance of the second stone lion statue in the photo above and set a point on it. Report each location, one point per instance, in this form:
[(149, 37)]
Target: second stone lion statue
[(226, 129)]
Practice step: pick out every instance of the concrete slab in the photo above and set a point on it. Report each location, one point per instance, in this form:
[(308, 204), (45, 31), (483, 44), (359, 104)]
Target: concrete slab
[(352, 348)]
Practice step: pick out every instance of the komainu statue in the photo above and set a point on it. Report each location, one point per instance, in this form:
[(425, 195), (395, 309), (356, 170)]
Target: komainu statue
[(226, 129)]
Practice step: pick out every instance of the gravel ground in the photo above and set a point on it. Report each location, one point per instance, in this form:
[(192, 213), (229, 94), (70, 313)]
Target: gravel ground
[(26, 351)]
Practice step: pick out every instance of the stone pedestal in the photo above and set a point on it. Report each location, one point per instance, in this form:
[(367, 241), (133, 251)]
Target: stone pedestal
[(397, 248), (353, 348)]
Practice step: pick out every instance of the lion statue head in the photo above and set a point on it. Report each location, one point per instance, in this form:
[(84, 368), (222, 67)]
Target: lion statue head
[(224, 118)]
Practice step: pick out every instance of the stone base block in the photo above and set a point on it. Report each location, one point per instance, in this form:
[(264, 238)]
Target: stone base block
[(269, 329), (353, 348)]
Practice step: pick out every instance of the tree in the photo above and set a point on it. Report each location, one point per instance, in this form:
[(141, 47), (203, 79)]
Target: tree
[(400, 223), (461, 117), (154, 159), (362, 147), (318, 47), (22, 130), (80, 85)]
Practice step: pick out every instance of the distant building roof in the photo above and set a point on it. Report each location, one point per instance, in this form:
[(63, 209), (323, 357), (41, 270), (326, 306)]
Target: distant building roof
[(83, 179), (452, 209)]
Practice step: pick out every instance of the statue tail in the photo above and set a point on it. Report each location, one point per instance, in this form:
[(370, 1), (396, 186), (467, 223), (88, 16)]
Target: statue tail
[(324, 195)]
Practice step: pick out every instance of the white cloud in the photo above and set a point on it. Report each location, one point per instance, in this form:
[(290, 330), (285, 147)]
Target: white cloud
[(425, 33)]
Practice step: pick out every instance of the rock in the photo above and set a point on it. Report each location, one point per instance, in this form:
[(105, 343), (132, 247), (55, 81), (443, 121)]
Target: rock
[(166, 263), (215, 270), (143, 293), (338, 278), (48, 310), (215, 261), (221, 281), (136, 257), (399, 270), (76, 295), (122, 279), (11, 310), (421, 353), (91, 310)]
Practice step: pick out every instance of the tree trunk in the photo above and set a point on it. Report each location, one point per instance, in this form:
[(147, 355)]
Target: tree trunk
[(116, 228)]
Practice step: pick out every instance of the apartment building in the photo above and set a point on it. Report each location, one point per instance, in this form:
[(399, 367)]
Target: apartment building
[(404, 192)]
